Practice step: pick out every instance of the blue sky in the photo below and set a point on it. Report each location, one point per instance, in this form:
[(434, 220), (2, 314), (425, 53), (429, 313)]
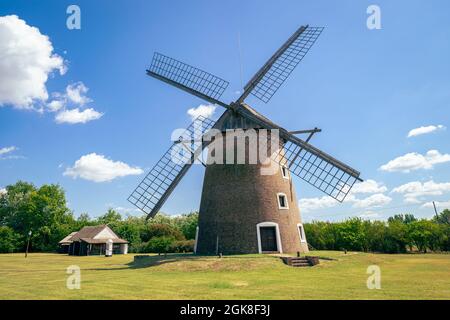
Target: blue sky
[(367, 89)]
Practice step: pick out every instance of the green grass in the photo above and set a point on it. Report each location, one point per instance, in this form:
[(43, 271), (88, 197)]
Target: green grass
[(43, 276)]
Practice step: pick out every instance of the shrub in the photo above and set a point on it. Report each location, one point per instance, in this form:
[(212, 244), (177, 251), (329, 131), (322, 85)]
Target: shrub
[(182, 246), (160, 244), (153, 230)]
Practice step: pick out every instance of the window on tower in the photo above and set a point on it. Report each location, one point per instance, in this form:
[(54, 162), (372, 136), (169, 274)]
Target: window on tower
[(301, 231), (285, 172), (282, 201)]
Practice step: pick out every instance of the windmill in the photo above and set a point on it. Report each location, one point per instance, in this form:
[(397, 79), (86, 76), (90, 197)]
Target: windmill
[(242, 210)]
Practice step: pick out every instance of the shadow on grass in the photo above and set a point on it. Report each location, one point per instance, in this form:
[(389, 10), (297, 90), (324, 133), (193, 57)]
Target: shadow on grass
[(157, 260), (152, 261)]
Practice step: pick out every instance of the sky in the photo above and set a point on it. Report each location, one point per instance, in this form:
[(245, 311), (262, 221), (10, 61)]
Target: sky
[(78, 110)]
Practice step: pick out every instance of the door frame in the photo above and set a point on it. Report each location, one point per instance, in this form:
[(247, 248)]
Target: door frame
[(277, 234)]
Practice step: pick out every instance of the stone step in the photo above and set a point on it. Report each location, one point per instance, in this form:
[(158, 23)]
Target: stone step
[(300, 261), (300, 265)]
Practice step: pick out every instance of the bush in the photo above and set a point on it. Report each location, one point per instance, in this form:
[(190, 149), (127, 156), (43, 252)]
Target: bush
[(182, 246), (187, 223), (153, 230), (160, 244)]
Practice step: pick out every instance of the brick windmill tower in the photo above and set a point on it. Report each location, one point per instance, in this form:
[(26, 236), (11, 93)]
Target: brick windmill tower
[(248, 202)]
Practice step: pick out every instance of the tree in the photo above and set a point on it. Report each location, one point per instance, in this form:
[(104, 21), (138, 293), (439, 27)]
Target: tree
[(8, 240), (425, 234), (188, 223), (130, 229), (153, 230), (351, 235), (396, 237), (160, 244), (443, 217), (110, 217), (41, 210), (404, 218), (83, 220)]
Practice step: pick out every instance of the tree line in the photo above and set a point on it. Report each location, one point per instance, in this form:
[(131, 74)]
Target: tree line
[(400, 234), (43, 211)]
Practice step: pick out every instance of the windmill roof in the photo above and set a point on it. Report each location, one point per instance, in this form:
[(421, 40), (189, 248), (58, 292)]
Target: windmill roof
[(259, 115)]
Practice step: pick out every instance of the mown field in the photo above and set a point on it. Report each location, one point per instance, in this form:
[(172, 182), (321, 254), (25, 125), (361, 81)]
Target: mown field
[(43, 276)]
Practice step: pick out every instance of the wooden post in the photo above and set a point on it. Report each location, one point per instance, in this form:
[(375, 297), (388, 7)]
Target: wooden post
[(28, 243), (435, 210)]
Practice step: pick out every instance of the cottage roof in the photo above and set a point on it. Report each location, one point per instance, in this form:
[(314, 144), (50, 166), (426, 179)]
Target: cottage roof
[(96, 241), (67, 240), (92, 234)]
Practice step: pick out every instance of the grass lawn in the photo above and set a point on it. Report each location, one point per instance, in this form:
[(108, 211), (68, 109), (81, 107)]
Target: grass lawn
[(43, 276)]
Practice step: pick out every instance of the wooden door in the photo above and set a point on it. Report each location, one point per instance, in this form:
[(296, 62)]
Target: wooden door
[(268, 239)]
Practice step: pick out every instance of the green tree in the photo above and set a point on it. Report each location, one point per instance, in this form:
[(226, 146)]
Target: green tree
[(404, 218), (153, 230), (396, 240), (443, 217), (111, 217), (426, 234), (187, 224), (42, 210), (160, 244), (8, 240), (351, 235)]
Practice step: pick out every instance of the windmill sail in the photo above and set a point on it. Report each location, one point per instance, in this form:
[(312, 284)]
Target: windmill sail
[(155, 188), (277, 69), (188, 78), (318, 169), (311, 164)]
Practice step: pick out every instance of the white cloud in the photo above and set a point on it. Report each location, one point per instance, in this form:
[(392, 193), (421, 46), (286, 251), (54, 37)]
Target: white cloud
[(124, 210), (5, 153), (77, 93), (27, 60), (414, 192), (55, 105), (6, 150), (309, 204), (369, 215), (75, 96), (77, 116), (439, 205), (202, 110), (2, 191), (376, 200), (415, 161), (424, 130), (98, 168), (368, 186)]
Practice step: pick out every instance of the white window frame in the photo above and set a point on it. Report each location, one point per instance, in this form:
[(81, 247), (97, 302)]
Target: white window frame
[(287, 175), (285, 201), (277, 232), (301, 234)]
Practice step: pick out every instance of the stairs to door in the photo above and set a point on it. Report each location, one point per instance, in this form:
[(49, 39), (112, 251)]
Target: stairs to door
[(300, 261)]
